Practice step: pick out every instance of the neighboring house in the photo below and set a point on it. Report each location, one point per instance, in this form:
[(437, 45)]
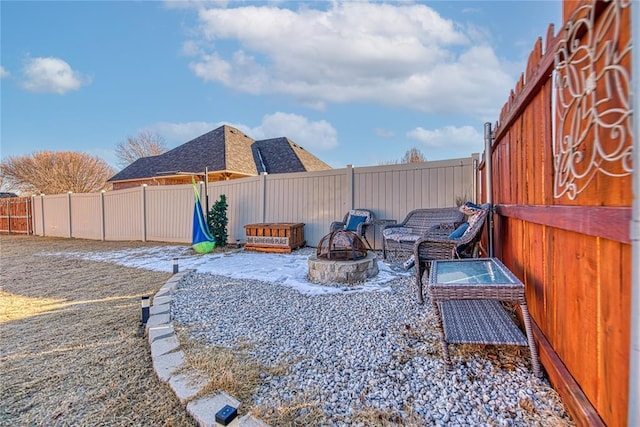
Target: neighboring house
[(224, 153)]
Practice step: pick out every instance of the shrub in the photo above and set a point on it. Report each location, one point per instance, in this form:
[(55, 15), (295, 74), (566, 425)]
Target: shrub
[(217, 221)]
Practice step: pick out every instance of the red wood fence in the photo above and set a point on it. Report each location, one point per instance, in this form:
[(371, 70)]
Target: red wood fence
[(562, 176), (15, 215)]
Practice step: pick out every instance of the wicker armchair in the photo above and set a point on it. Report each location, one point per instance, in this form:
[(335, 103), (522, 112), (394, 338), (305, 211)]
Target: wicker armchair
[(401, 237), (438, 244), (357, 226)]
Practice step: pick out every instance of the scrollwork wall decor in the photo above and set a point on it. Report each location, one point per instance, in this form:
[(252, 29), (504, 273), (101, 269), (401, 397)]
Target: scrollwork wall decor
[(592, 130)]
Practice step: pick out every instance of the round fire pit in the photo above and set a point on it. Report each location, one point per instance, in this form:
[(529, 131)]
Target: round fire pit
[(341, 257), (328, 271)]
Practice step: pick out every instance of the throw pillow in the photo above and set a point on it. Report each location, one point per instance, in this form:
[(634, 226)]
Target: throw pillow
[(458, 232), (354, 220), (469, 208)]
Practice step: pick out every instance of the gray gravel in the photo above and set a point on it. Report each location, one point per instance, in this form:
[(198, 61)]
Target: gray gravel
[(357, 352)]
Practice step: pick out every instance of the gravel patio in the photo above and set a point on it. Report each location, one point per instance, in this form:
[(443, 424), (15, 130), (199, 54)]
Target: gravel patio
[(71, 351)]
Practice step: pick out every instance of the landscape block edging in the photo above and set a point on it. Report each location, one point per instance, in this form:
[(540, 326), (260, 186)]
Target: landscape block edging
[(168, 363)]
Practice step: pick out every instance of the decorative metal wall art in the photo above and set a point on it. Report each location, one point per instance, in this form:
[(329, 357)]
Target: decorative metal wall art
[(592, 129)]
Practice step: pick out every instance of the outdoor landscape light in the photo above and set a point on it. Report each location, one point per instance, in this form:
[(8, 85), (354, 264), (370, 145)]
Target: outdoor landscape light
[(175, 265), (145, 309), (225, 415)]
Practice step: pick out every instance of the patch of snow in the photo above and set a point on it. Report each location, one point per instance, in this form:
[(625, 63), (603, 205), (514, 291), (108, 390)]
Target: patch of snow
[(286, 269)]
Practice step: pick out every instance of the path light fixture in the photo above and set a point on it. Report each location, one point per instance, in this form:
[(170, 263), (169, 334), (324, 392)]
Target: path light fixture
[(226, 415), (175, 265), (145, 309)]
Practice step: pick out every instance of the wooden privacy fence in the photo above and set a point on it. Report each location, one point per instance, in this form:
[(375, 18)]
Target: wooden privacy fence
[(164, 213), (562, 174), (15, 215)]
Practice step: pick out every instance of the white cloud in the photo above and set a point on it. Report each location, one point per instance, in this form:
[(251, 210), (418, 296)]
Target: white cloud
[(52, 75), (452, 140), (312, 135), (395, 54), (4, 73)]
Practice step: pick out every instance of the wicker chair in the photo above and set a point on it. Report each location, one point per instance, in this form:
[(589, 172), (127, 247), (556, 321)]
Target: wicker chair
[(437, 244), (401, 237), (360, 228)]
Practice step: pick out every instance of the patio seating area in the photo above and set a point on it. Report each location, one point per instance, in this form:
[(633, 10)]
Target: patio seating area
[(441, 243), (357, 221), (400, 238)]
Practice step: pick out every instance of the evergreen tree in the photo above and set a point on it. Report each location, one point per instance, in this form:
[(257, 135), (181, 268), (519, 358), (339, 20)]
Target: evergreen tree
[(217, 221)]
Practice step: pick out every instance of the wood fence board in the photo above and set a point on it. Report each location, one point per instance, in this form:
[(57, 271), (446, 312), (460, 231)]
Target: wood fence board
[(577, 404), (576, 309), (615, 294), (534, 269), (550, 288)]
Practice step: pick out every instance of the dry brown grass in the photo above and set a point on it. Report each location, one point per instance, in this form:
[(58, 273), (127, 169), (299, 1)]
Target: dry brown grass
[(299, 412), (71, 354), (231, 370)]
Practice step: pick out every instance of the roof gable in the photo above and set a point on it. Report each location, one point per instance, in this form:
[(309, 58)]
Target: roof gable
[(225, 149)]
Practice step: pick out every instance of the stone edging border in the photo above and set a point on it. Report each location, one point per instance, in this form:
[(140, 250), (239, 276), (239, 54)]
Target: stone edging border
[(169, 363)]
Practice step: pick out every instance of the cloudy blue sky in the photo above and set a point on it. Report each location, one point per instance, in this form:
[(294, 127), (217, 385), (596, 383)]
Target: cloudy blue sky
[(353, 82)]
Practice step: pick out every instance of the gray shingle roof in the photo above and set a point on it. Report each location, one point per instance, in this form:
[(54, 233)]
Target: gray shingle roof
[(281, 155), (225, 149)]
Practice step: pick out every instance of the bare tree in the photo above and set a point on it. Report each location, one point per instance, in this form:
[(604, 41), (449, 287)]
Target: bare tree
[(142, 145), (5, 185), (413, 156), (56, 172)]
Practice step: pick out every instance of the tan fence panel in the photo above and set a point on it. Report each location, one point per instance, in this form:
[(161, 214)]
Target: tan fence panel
[(169, 213), (124, 214), (86, 216), (165, 213), (243, 204), (56, 210), (313, 198), (38, 215), (393, 191)]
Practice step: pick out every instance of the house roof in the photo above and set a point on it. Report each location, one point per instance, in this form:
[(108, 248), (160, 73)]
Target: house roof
[(225, 149), (281, 155)]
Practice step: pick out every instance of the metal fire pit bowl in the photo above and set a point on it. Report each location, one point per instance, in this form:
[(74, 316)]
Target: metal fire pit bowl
[(341, 245)]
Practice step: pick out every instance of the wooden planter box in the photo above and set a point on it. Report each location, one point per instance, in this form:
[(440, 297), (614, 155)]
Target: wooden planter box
[(276, 237)]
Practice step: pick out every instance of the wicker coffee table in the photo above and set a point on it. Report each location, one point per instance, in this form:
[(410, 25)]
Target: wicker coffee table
[(466, 297)]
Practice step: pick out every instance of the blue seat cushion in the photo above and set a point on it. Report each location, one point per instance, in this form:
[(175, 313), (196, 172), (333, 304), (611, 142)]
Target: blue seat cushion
[(354, 221), (458, 232)]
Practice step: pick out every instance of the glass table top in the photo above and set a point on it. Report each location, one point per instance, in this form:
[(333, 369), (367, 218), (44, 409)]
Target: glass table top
[(472, 271)]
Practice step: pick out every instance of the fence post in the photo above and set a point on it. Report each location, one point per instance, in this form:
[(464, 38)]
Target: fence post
[(262, 206), (488, 146), (33, 212), (27, 212), (144, 212), (102, 219), (350, 189), (474, 179), (42, 212), (69, 213)]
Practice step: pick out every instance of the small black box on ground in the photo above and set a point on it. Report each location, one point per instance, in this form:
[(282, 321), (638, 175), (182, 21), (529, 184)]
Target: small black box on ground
[(225, 415)]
